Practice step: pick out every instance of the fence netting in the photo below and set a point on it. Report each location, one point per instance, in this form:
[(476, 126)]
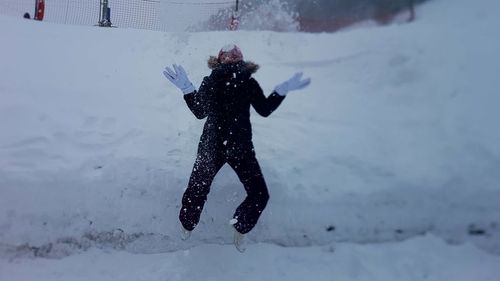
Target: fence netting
[(207, 15), (143, 14)]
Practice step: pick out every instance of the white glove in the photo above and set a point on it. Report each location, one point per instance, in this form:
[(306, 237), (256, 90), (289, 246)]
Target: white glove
[(291, 84), (179, 78)]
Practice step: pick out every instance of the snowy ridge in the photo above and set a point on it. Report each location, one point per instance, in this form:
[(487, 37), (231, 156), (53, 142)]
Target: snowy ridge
[(410, 261), (368, 225), (395, 137)]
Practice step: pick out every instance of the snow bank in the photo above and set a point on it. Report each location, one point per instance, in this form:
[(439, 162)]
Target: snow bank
[(423, 258), (395, 137)]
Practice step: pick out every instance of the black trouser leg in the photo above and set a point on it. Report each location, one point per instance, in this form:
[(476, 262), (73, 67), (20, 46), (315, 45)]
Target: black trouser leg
[(249, 211), (205, 168)]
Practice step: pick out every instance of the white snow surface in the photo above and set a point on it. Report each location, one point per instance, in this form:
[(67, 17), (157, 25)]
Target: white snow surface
[(423, 258), (395, 142)]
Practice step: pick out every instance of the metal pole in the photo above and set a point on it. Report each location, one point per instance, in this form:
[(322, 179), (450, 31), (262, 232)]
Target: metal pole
[(104, 10), (100, 12), (104, 14)]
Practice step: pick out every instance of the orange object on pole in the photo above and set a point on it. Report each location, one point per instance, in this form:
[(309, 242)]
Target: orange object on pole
[(233, 24), (39, 9)]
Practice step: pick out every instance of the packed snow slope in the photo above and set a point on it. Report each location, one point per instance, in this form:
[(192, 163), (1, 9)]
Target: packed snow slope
[(396, 136)]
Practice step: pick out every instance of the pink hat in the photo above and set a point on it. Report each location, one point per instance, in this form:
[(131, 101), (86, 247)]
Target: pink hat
[(230, 54)]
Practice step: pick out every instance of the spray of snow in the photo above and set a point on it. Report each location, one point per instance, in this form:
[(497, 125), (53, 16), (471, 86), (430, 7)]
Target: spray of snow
[(271, 15), (274, 15)]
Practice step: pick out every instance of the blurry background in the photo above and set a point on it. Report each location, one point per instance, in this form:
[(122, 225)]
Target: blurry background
[(203, 15)]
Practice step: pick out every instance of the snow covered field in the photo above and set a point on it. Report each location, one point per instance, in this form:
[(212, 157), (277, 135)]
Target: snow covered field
[(385, 168), (423, 258)]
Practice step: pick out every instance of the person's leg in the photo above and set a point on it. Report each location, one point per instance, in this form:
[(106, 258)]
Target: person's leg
[(248, 212), (205, 168)]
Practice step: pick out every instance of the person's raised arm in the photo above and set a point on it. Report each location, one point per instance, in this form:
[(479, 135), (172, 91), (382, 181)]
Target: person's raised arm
[(178, 77), (265, 106), (197, 101), (292, 84)]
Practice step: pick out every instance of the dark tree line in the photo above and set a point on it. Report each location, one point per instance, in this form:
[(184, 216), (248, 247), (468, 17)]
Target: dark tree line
[(330, 15)]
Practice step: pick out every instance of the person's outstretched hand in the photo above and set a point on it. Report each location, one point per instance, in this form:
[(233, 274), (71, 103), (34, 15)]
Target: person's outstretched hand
[(294, 83), (179, 78)]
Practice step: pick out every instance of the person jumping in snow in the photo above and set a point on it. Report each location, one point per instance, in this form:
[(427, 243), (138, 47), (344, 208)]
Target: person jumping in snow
[(224, 98)]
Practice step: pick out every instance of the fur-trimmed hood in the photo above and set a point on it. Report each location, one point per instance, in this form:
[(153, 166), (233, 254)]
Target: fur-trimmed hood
[(249, 66)]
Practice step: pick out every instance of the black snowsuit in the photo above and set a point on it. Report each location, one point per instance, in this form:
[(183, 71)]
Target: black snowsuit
[(224, 98)]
